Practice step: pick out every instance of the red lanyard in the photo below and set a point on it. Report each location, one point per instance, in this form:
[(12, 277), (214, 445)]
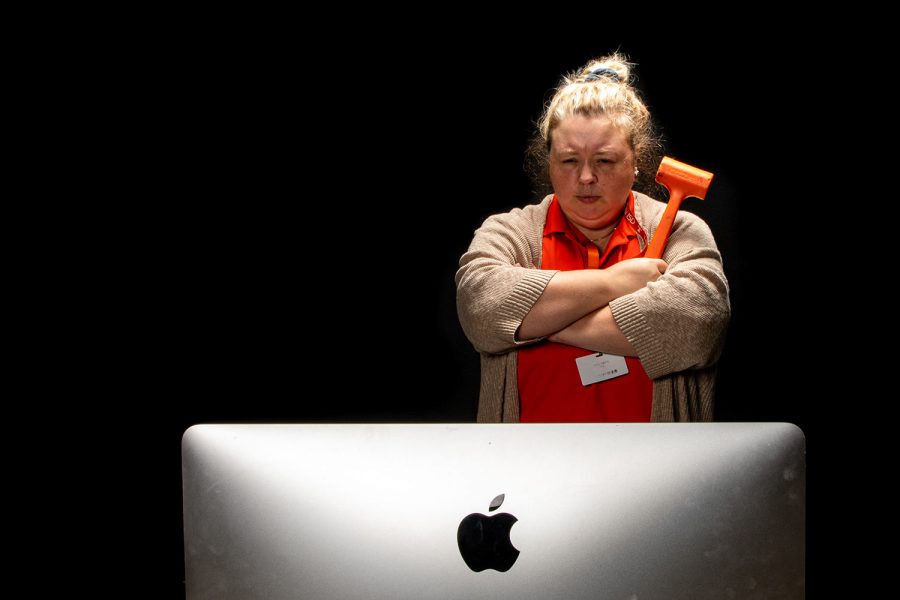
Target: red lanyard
[(629, 216)]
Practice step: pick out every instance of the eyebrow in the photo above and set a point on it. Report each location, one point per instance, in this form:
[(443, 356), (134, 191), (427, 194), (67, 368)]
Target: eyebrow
[(570, 151)]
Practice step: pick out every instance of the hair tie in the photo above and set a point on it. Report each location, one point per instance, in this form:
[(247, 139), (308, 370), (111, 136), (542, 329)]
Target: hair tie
[(600, 72)]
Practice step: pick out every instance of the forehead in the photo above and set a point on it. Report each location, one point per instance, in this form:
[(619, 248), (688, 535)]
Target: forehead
[(587, 134)]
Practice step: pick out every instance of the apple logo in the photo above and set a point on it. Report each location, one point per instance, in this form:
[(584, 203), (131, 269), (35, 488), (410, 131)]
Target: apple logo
[(484, 541)]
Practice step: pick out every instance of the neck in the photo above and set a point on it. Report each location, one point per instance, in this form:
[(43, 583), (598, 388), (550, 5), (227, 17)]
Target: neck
[(598, 235)]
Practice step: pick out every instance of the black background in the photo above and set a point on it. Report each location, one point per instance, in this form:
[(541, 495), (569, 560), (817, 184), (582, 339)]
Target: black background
[(310, 211)]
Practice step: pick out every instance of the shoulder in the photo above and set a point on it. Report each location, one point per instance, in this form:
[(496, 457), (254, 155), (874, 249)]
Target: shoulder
[(530, 213), (521, 219), (649, 211)]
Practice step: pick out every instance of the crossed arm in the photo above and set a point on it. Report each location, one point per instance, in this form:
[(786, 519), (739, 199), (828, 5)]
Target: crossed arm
[(672, 315), (574, 307)]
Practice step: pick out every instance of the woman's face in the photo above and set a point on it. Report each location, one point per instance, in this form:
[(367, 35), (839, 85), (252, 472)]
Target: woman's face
[(592, 170)]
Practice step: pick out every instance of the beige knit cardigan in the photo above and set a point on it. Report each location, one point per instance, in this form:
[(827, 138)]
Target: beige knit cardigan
[(676, 324)]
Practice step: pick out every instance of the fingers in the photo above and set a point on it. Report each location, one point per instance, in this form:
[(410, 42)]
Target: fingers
[(661, 265), (657, 264)]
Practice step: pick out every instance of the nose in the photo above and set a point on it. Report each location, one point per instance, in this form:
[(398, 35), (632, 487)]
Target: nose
[(586, 174)]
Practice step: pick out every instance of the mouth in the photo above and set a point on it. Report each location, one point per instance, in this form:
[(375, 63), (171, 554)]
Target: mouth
[(587, 199)]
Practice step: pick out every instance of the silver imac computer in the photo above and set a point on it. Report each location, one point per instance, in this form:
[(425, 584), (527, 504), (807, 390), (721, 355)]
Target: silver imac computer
[(574, 511)]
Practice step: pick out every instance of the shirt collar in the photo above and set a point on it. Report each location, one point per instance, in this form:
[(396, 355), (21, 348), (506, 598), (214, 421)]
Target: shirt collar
[(558, 223), (556, 219)]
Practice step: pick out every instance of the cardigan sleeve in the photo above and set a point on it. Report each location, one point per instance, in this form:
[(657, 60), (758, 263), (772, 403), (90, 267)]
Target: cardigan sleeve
[(678, 322), (498, 281)]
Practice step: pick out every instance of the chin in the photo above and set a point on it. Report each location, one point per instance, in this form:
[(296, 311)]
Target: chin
[(599, 217), (597, 223)]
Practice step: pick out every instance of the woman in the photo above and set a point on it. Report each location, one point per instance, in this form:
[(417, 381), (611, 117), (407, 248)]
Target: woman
[(554, 295)]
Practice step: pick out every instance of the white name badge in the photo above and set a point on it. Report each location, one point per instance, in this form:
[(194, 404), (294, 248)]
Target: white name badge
[(599, 366)]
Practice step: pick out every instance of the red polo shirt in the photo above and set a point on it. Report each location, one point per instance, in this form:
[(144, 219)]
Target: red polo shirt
[(550, 388)]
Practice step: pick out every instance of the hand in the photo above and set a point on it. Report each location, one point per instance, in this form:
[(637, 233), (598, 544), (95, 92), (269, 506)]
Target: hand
[(634, 273)]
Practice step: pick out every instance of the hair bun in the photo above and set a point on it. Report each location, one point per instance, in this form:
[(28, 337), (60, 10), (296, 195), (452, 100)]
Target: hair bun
[(602, 72), (615, 67)]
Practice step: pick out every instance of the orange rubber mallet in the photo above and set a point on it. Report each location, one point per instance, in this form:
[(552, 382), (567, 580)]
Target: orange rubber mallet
[(682, 181)]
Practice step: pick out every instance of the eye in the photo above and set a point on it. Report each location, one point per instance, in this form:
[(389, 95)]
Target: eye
[(569, 161)]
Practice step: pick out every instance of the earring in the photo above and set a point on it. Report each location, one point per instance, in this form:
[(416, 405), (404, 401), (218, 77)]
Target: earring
[(635, 172)]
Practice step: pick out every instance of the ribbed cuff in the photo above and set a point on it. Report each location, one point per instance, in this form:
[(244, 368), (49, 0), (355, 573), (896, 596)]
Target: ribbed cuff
[(519, 303), (634, 325)]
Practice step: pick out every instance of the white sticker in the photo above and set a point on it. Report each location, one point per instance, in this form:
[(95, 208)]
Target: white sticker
[(599, 366)]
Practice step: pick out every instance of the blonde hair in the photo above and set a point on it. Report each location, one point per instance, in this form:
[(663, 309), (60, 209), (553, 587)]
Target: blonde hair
[(601, 87)]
